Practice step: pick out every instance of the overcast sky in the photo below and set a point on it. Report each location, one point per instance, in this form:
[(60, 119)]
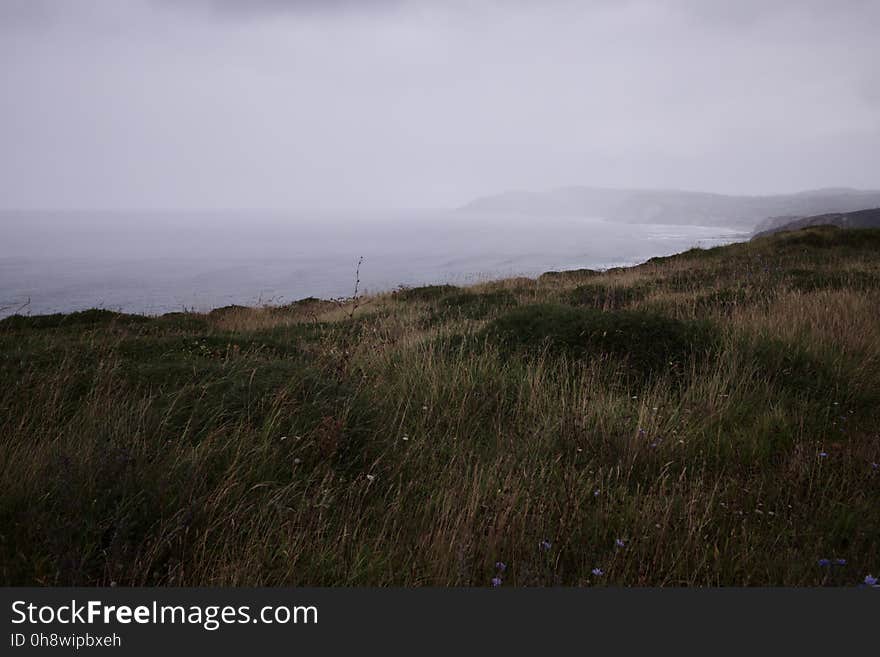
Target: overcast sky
[(388, 103)]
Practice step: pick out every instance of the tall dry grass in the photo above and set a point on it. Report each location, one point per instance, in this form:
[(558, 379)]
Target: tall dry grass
[(406, 445)]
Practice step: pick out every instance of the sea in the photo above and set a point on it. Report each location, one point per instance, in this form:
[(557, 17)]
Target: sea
[(153, 262)]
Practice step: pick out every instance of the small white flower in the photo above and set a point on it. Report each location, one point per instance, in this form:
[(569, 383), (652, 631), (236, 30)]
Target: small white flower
[(297, 461), (371, 478), (404, 437), (283, 437)]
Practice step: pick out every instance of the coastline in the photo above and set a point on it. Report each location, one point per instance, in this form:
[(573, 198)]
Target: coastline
[(175, 284)]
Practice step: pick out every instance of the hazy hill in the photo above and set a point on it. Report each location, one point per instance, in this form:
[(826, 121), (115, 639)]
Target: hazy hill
[(675, 207), (859, 219)]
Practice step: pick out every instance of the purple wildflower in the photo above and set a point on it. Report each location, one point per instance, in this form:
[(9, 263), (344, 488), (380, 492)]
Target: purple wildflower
[(598, 572), (500, 566), (870, 580), (822, 455), (619, 542), (824, 563), (840, 562), (545, 545), (496, 581), (874, 466)]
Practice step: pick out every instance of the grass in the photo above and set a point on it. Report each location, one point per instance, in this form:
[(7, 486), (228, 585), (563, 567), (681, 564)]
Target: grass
[(705, 419), (642, 343)]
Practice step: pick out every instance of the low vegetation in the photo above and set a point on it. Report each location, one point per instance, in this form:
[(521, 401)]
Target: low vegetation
[(710, 418)]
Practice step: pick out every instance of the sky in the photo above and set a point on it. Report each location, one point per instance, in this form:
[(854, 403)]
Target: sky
[(224, 104)]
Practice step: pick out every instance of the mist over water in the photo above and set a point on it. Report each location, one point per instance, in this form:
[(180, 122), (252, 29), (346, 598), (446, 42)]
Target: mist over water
[(156, 262)]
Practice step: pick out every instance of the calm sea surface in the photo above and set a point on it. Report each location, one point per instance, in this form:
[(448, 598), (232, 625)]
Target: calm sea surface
[(156, 262)]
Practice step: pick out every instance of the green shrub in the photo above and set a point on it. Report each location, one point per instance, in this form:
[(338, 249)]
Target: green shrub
[(792, 369), (568, 275), (808, 280), (646, 342), (469, 305), (594, 295), (424, 293), (93, 317), (724, 299), (180, 322), (225, 311)]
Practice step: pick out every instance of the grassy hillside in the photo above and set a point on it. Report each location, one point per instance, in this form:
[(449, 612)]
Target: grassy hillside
[(860, 219), (709, 418)]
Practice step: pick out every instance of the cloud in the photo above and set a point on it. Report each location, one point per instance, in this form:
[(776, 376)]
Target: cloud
[(236, 9), (205, 103), (26, 14)]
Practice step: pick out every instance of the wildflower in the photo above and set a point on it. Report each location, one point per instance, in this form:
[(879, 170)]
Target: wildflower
[(297, 461), (371, 478), (404, 437), (822, 455), (824, 563), (642, 432), (424, 408), (283, 437), (500, 566), (874, 466), (596, 493), (870, 580), (496, 581), (598, 572), (545, 545), (840, 562)]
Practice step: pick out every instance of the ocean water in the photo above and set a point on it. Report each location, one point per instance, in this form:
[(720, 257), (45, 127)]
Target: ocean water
[(156, 262)]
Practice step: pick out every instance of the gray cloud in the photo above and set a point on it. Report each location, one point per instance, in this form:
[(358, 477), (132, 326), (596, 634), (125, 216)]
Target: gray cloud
[(18, 14), (215, 103), (237, 9)]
